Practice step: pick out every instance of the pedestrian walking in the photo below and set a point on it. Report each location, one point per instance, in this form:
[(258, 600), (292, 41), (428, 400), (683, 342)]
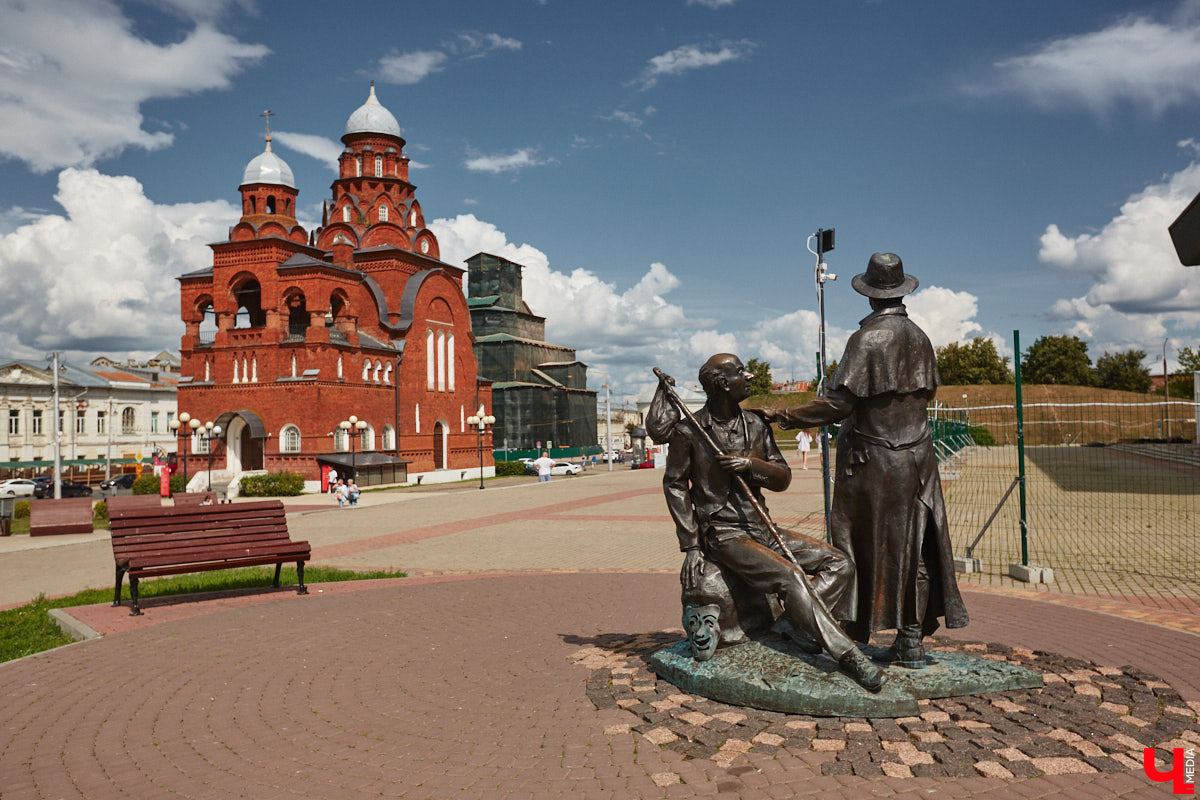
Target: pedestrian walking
[(804, 441), (333, 479)]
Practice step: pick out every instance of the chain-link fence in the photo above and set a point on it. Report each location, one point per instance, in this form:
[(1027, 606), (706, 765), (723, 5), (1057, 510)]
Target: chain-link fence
[(1112, 491)]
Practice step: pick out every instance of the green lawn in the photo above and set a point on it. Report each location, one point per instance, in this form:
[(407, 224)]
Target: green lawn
[(30, 629)]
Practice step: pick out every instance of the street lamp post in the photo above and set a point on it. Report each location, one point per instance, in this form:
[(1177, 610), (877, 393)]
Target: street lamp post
[(182, 426), (354, 428), (479, 421), (211, 432)]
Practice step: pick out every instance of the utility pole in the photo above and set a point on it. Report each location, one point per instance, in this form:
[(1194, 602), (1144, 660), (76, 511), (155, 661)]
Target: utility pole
[(57, 431), (608, 427), (821, 274)]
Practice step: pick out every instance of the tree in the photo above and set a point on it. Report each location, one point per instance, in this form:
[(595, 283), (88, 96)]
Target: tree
[(761, 383), (1123, 371), (973, 363), (1058, 359), (1182, 381), (830, 368)]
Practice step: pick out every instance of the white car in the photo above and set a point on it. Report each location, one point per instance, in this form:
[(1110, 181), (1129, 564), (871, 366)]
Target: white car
[(19, 487), (565, 468)]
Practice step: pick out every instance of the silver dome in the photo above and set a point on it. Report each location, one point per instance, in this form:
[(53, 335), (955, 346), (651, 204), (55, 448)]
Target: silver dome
[(267, 167), (371, 117)]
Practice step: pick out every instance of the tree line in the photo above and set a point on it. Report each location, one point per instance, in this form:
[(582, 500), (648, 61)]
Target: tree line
[(1061, 360)]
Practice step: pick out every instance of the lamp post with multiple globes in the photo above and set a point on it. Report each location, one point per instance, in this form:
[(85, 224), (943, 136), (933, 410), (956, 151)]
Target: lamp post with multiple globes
[(353, 428), (184, 426), (479, 421)]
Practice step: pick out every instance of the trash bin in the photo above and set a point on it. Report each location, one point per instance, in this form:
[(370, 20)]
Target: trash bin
[(7, 507)]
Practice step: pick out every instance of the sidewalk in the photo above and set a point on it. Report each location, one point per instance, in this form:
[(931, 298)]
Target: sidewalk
[(507, 666)]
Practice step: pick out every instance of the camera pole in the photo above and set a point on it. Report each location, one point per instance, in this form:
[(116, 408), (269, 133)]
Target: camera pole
[(824, 240)]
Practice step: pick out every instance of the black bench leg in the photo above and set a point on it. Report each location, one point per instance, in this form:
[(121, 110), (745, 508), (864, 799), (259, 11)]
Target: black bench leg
[(300, 576), (136, 610), (117, 590), (278, 568)]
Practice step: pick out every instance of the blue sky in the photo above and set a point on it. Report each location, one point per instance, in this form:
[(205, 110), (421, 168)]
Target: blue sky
[(657, 166)]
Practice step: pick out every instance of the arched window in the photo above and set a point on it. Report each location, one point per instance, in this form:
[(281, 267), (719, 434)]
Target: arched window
[(358, 166), (339, 368), (378, 369), (289, 439), (293, 366), (412, 219), (378, 166), (128, 420), (441, 361), (387, 374), (345, 213), (254, 370), (340, 439), (366, 440), (383, 214), (235, 370), (430, 361), (250, 313), (270, 204), (207, 370), (389, 437), (450, 361)]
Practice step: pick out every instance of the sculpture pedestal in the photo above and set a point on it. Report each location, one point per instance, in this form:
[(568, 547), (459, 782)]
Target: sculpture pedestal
[(775, 675)]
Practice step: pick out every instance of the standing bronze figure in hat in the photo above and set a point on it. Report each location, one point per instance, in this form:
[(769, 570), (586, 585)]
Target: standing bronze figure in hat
[(888, 513)]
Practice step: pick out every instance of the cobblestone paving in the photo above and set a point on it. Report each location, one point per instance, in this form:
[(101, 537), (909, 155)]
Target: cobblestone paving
[(1086, 719)]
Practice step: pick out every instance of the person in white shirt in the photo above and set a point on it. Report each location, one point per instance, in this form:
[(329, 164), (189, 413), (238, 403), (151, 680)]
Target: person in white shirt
[(803, 444), (544, 465)]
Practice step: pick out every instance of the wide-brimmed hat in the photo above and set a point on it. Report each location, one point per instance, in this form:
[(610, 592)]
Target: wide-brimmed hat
[(884, 278)]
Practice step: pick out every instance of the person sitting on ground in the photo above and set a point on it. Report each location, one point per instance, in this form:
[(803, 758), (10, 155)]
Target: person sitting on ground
[(352, 492)]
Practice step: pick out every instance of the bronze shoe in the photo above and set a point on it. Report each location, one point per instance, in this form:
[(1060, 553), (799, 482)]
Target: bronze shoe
[(863, 670)]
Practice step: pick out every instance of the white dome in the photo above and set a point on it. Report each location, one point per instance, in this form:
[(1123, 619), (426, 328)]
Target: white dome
[(371, 117), (267, 167)]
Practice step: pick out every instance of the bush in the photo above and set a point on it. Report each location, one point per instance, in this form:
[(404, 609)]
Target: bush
[(100, 511), (506, 469), (277, 484), (148, 484), (21, 510), (982, 436)]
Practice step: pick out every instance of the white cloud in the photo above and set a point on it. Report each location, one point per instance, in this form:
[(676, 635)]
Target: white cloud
[(412, 67), (322, 148), (101, 275), (945, 315), (1138, 285), (503, 162), (1135, 60), (416, 65), (691, 57), (73, 76)]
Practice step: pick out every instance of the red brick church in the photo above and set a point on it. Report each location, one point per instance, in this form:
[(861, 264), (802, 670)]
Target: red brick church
[(290, 333)]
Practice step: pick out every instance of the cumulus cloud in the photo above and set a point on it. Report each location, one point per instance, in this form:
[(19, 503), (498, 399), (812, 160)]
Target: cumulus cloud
[(73, 76), (322, 148), (497, 163), (101, 275), (1135, 60), (945, 315), (1138, 284), (691, 57), (416, 65), (412, 67)]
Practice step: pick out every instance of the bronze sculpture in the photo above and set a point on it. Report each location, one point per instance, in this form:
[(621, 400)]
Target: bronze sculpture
[(888, 512), (719, 461)]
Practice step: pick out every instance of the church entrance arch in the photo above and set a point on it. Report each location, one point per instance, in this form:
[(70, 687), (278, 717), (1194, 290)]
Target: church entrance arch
[(441, 437), (245, 437)]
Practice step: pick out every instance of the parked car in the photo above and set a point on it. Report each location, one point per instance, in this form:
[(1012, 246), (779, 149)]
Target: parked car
[(69, 489), (119, 482), (565, 468), (17, 487), (647, 464)]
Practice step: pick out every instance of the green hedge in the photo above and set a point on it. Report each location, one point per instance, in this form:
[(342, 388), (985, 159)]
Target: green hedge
[(148, 484), (21, 509), (277, 484), (506, 469), (982, 436)]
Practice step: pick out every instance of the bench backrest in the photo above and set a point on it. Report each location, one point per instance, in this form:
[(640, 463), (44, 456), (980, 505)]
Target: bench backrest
[(67, 515), (195, 498), (124, 501), (194, 533)]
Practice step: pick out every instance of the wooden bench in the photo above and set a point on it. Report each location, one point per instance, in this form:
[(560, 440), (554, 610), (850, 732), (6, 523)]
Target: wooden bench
[(173, 541), (195, 499), (122, 502), (67, 515)]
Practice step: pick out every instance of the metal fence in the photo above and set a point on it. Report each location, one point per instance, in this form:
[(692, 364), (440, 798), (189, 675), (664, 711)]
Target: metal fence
[(1112, 493)]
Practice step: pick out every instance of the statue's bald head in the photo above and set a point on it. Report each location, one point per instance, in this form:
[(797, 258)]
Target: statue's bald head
[(720, 365)]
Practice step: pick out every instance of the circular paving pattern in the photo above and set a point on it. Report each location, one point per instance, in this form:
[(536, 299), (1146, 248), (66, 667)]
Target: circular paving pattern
[(1086, 719)]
